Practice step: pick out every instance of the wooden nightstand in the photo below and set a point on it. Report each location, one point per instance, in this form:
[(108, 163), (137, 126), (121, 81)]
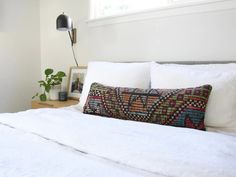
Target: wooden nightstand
[(52, 104)]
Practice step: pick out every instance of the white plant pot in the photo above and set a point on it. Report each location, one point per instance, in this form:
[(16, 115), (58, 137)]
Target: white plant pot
[(54, 92)]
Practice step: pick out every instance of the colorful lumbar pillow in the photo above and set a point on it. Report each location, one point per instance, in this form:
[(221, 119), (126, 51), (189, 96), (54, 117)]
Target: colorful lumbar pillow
[(221, 113), (175, 107)]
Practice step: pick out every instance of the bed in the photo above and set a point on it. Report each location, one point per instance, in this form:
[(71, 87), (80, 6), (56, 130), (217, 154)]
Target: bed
[(68, 143)]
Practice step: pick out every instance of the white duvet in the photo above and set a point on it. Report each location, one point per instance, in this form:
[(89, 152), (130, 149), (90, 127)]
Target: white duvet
[(67, 143)]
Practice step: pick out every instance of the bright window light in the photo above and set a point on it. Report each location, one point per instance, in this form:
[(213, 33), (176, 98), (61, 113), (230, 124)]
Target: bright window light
[(105, 8)]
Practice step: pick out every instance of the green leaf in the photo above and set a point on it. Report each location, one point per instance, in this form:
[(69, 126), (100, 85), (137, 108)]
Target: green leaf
[(37, 94), (47, 88), (43, 97), (41, 82), (48, 71), (61, 74)]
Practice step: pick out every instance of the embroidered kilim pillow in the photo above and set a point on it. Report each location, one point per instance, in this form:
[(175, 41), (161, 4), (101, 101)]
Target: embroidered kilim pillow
[(175, 107)]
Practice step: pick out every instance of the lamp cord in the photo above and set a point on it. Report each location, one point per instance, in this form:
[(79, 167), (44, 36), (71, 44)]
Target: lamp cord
[(72, 47), (74, 55)]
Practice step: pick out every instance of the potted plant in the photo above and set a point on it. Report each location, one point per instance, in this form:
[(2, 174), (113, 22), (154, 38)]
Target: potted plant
[(51, 81)]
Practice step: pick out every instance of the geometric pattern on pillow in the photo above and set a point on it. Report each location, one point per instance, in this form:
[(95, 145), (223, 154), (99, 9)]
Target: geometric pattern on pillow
[(174, 107)]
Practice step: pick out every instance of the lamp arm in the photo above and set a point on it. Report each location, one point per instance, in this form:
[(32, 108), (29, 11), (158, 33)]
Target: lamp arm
[(71, 39), (72, 47)]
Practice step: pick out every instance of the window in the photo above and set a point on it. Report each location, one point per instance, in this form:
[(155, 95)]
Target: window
[(105, 8)]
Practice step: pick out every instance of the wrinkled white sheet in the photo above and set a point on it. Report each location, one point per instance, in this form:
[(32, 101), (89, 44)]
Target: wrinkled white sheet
[(158, 150), (25, 155)]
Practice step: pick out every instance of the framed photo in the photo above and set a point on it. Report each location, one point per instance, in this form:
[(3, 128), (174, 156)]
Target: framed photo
[(76, 81)]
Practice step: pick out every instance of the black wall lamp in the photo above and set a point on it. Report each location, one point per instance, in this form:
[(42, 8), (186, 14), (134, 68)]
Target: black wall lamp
[(64, 23)]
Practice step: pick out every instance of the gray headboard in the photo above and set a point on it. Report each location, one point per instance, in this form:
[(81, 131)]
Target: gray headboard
[(178, 62), (195, 62)]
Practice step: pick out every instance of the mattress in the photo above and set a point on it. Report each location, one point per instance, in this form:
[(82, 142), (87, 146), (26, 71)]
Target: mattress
[(65, 142)]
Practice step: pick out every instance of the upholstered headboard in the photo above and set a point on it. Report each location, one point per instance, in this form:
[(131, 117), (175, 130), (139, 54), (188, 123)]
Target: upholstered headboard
[(195, 62), (181, 62)]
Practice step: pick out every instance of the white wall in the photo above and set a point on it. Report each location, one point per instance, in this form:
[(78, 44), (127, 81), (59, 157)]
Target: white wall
[(55, 45), (199, 36), (19, 53)]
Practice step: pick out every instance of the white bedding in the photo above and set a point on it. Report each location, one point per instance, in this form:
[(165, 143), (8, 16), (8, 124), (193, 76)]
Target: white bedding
[(113, 147), (26, 155)]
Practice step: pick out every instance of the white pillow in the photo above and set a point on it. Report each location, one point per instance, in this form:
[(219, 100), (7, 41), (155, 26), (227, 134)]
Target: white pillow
[(134, 75), (221, 108)]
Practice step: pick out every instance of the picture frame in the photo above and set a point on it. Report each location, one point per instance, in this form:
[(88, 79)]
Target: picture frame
[(76, 81)]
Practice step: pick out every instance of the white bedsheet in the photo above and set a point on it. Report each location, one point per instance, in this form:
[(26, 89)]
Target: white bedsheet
[(26, 155), (153, 149)]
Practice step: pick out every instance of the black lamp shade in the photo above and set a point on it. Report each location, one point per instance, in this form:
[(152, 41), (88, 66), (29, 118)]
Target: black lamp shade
[(64, 23)]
